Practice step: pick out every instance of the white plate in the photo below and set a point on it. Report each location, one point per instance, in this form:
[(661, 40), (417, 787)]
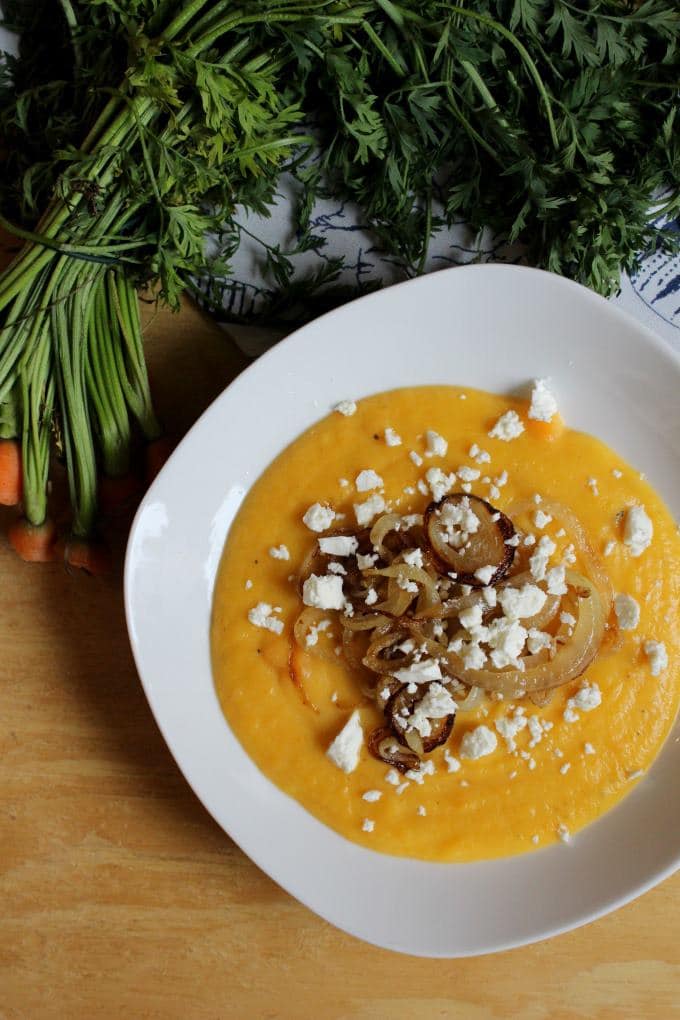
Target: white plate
[(492, 327)]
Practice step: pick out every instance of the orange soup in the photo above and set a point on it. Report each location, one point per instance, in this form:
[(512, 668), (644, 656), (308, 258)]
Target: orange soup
[(512, 768)]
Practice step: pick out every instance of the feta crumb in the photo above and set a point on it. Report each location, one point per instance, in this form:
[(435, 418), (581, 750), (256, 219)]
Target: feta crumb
[(371, 796), (468, 474), (416, 458), (474, 657), (436, 704), (422, 810), (451, 761), (393, 777), (312, 636), (419, 672), (535, 730), (543, 404), (334, 697), (368, 825), (319, 517), (535, 840), (609, 548), (565, 768), (490, 596), (340, 545), (616, 473), (638, 530), (541, 519), (344, 750), (343, 483), (507, 427), (402, 787), (367, 511), (422, 487), (346, 408), (563, 833), (484, 574), (538, 561), (392, 438), (440, 483), (248, 585), (367, 480), (512, 542), (279, 552), (261, 616), (478, 743), (588, 748), (371, 597), (478, 455), (414, 558), (592, 485), (509, 727), (537, 640), (506, 638), (436, 444), (520, 603), (471, 617), (657, 655), (555, 581), (627, 611), (532, 764), (586, 699), (323, 592), (529, 540), (366, 562), (466, 487), (635, 775)]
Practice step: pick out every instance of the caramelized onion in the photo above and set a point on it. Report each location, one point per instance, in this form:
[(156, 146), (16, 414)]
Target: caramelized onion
[(380, 530), (440, 728), (382, 745), (307, 619), (570, 660), (473, 699), (381, 644), (485, 547)]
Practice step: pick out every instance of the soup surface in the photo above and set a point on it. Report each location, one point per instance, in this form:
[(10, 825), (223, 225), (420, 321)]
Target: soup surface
[(287, 700)]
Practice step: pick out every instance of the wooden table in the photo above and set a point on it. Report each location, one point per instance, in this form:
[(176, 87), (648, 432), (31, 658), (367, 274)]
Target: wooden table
[(120, 897)]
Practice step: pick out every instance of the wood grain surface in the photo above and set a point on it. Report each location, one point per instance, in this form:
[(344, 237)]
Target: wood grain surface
[(120, 897)]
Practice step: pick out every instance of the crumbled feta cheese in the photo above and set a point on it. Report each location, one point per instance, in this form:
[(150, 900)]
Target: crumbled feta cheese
[(471, 617), (393, 777), (478, 743), (371, 796), (319, 517), (501, 480), (346, 408), (478, 455), (248, 585), (436, 444), (609, 548), (368, 825), (507, 427), (627, 611), (484, 574), (421, 487), (592, 485), (541, 519), (535, 840), (537, 640), (419, 672), (451, 761), (392, 438), (535, 730), (406, 585), (490, 596), (416, 458), (509, 727), (636, 774), (568, 619), (414, 558), (561, 533), (494, 492), (543, 404), (340, 545), (371, 597), (586, 699), (279, 552), (638, 530), (459, 522), (506, 638), (437, 703), (344, 750), (555, 581), (402, 787), (513, 542), (422, 810), (343, 483), (473, 656), (616, 473), (569, 555), (563, 833), (532, 764), (520, 603), (336, 568), (588, 748), (312, 636), (468, 474), (411, 520), (440, 483), (657, 655), (565, 768), (529, 540), (261, 616), (538, 561), (426, 768), (366, 562), (367, 511), (367, 480), (323, 592)]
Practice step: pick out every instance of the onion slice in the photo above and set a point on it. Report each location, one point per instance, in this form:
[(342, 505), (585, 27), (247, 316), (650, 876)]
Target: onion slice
[(383, 746), (400, 707), (485, 547)]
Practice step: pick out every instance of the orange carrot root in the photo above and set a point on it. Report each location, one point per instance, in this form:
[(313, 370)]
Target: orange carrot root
[(10, 472), (91, 555), (35, 543), (157, 452), (118, 493)]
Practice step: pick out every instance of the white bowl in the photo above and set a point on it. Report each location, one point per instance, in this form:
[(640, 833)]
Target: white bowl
[(492, 327)]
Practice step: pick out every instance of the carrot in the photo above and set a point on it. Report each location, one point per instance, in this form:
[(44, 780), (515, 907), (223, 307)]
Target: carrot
[(10, 472), (117, 493), (88, 554), (35, 543), (157, 452), (548, 430)]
